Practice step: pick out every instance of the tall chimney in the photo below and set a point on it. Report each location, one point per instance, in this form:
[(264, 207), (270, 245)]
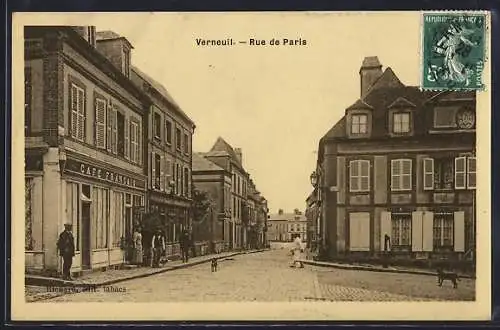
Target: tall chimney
[(88, 33), (370, 71), (116, 49), (237, 151)]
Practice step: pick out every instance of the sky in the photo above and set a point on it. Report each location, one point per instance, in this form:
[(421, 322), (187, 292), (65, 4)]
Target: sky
[(273, 102)]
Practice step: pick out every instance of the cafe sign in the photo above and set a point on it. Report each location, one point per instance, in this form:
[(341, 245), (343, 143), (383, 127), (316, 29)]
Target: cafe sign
[(96, 172)]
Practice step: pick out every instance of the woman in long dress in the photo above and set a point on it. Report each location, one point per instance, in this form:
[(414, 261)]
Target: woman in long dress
[(138, 246), (297, 251)]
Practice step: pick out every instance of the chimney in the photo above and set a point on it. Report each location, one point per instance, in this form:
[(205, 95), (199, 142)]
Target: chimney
[(370, 71), (237, 151), (116, 49), (280, 211), (87, 33)]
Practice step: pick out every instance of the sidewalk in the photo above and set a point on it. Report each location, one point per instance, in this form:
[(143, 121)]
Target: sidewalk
[(377, 268), (37, 287)]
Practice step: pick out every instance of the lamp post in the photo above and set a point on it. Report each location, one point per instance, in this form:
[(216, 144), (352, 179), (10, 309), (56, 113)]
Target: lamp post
[(314, 182)]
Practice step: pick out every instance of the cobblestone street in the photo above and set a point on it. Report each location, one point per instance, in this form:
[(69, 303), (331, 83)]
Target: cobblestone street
[(267, 277)]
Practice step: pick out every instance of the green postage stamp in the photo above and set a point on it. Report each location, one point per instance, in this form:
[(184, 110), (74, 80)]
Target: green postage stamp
[(453, 51)]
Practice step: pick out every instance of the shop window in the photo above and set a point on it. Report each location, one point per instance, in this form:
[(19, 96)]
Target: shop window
[(443, 230), (401, 229), (28, 213)]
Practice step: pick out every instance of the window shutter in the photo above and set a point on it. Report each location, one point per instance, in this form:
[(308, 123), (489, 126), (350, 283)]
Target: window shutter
[(416, 231), (153, 172), (162, 177), (428, 173), (128, 131), (109, 124), (365, 175), (459, 226), (100, 114), (460, 173), (81, 115), (74, 111), (114, 133), (471, 172), (139, 144), (395, 174), (385, 228), (427, 231)]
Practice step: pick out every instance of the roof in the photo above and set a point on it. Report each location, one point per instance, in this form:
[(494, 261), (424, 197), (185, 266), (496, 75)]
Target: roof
[(388, 91), (161, 89), (286, 217), (200, 163), (222, 148), (107, 35)]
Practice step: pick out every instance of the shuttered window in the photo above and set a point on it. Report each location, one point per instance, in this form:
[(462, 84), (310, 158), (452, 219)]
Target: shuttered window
[(443, 229), (428, 174), (134, 141), (77, 104), (401, 174), (359, 231), (127, 136), (100, 123), (401, 229), (359, 175)]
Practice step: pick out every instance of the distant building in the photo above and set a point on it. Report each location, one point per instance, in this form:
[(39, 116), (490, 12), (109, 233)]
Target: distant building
[(398, 172), (283, 227)]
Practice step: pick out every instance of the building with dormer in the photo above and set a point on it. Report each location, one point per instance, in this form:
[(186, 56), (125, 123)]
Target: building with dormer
[(397, 173), (84, 152)]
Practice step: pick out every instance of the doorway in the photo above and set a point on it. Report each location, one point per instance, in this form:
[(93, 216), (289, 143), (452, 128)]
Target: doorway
[(86, 247), (128, 233)]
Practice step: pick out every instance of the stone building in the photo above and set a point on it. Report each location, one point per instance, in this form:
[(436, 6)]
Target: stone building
[(283, 227), (397, 174), (169, 137), (84, 164)]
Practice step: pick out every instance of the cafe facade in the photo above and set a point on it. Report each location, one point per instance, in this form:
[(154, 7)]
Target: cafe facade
[(84, 126)]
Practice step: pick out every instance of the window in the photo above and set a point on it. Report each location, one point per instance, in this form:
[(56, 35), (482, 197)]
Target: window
[(126, 62), (401, 229), (100, 198), (118, 200), (471, 172), (359, 175), (186, 182), (186, 144), (178, 141), (401, 122), (28, 213), (72, 209), (401, 174), (157, 173), (77, 104), (445, 117), (157, 125), (438, 173), (100, 122), (460, 172), (443, 230), (178, 175), (134, 142), (359, 124), (120, 142), (27, 100), (168, 131)]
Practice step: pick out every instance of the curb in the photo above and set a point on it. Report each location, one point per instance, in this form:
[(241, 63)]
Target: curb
[(376, 269), (54, 282)]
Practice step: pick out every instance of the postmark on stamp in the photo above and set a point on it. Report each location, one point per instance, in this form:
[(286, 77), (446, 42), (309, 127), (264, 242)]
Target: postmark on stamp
[(453, 51)]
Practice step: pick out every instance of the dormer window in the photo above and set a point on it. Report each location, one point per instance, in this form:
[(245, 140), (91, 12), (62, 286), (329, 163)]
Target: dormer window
[(359, 124), (401, 122)]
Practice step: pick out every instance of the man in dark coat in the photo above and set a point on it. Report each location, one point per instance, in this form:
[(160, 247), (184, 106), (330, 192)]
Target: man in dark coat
[(158, 247), (66, 247), (185, 241)]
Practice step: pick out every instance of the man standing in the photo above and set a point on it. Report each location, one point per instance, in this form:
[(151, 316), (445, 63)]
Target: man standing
[(158, 247), (185, 241), (66, 247)]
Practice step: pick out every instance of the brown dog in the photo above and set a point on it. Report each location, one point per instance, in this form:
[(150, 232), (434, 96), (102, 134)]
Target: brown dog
[(451, 276), (214, 265)]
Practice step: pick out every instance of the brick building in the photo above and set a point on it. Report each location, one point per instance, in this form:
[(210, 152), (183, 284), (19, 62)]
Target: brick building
[(84, 163), (398, 172), (169, 137)]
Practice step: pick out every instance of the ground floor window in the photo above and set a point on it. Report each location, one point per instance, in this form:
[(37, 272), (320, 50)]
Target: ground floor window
[(28, 213), (401, 229), (100, 217), (73, 210), (443, 230)]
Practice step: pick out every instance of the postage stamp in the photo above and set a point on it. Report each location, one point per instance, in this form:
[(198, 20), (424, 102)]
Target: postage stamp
[(453, 51)]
